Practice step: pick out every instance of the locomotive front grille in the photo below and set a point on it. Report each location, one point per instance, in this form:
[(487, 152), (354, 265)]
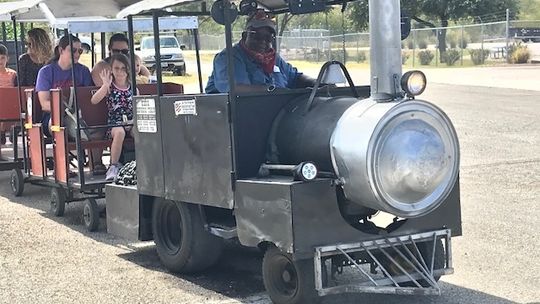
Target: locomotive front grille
[(407, 265)]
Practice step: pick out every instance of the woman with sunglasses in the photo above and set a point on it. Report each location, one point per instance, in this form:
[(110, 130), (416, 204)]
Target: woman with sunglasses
[(57, 74), (39, 52), (257, 66)]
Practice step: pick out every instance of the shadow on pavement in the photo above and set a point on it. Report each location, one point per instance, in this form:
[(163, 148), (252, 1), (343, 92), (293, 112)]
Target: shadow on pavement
[(237, 274)]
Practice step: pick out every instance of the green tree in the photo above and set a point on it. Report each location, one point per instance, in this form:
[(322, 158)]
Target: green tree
[(434, 13), (529, 9), (332, 19)]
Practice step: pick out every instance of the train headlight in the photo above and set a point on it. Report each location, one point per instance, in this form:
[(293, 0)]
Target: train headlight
[(413, 162), (413, 83), (402, 157)]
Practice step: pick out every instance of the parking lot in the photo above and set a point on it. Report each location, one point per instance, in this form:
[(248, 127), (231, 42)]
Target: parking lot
[(496, 111)]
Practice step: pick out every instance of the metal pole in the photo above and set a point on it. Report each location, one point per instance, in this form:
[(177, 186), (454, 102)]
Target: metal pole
[(318, 55), (232, 89), (155, 18), (103, 42), (437, 49), (385, 49), (415, 33), (278, 43), (21, 99), (357, 45), (228, 46), (92, 49), (198, 57), (343, 34), (78, 141), (461, 46), (482, 45), (132, 51), (22, 38), (507, 35), (4, 33)]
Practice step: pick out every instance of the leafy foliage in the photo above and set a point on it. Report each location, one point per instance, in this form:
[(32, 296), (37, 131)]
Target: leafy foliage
[(520, 54), (529, 9), (425, 57), (452, 56), (361, 56), (433, 13), (479, 56)]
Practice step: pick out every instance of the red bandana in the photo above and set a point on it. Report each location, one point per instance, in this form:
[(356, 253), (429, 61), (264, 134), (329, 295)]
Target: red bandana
[(266, 60)]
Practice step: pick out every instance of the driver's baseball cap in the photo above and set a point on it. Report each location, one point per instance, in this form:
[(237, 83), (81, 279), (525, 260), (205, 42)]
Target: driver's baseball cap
[(260, 19)]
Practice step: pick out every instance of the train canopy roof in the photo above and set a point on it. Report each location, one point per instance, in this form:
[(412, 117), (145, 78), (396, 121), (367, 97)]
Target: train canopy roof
[(51, 10), (276, 6)]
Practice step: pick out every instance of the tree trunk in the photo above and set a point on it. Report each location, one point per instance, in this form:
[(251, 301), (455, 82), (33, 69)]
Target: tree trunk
[(285, 18), (442, 40)]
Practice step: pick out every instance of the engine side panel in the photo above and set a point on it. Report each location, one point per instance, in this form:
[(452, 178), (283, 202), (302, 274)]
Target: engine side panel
[(298, 216), (197, 150), (150, 179)]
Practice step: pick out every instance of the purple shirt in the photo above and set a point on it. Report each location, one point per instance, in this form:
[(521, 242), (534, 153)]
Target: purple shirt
[(52, 76)]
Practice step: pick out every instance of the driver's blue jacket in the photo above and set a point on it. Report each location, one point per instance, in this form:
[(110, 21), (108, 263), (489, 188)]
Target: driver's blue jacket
[(248, 71)]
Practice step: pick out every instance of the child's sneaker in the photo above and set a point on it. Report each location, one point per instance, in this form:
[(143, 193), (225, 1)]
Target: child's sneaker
[(112, 172)]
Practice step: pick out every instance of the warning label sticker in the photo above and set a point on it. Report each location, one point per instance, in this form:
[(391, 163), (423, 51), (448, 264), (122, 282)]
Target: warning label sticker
[(185, 107), (146, 116)]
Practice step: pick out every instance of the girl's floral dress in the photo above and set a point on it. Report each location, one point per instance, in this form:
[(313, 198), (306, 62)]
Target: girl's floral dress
[(119, 104)]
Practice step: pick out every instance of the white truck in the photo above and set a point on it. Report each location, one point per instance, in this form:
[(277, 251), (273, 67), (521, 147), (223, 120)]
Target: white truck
[(172, 58)]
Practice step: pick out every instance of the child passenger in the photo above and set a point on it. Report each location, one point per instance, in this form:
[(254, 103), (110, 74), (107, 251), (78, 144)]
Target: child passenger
[(7, 75), (7, 79), (116, 89), (140, 78)]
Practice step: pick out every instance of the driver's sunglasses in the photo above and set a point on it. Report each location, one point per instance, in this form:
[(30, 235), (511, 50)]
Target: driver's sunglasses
[(118, 51), (76, 50), (262, 37)]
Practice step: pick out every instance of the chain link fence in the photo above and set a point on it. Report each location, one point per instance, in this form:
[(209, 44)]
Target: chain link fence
[(473, 44)]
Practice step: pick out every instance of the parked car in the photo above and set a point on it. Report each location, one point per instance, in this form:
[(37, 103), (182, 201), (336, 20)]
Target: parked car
[(172, 58)]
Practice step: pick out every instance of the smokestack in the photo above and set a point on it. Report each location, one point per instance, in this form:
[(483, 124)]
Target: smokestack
[(385, 48)]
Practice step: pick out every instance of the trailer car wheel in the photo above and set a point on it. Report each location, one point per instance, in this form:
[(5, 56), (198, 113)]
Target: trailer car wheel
[(58, 201), (17, 182), (182, 243), (288, 281), (91, 215)]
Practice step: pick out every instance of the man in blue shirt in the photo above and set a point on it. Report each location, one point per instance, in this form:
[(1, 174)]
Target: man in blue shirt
[(257, 66)]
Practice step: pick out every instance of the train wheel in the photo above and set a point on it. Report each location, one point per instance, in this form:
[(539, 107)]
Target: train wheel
[(91, 215), (58, 201), (183, 245), (288, 281), (17, 182)]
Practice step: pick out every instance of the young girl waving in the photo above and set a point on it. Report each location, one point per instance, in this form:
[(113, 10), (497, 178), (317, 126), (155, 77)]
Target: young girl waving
[(116, 89)]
